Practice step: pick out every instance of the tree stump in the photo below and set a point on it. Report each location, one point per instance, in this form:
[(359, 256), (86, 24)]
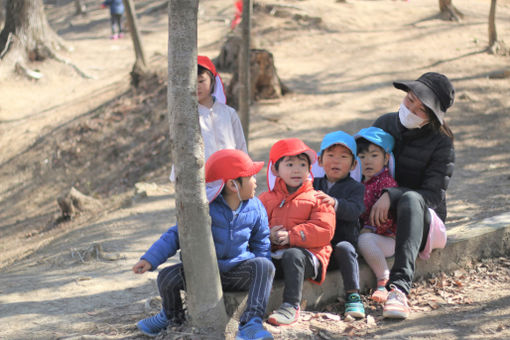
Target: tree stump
[(229, 54), (75, 202), (264, 80)]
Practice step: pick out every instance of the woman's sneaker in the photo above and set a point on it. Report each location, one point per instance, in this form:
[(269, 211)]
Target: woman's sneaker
[(253, 330), (396, 305), (380, 294), (153, 325), (287, 314), (354, 306)]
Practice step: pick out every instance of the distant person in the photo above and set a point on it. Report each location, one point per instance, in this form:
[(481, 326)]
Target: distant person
[(116, 12), (337, 156), (219, 123), (241, 237), (376, 243), (424, 162), (301, 226)]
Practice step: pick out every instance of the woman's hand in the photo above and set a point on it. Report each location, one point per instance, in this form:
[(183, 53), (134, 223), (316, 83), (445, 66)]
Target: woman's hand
[(141, 267), (380, 209)]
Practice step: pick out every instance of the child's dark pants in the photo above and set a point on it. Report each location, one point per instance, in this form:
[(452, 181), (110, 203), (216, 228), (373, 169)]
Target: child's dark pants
[(255, 275), (295, 266)]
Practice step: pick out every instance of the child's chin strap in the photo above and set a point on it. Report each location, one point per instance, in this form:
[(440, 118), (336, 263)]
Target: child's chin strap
[(237, 188)]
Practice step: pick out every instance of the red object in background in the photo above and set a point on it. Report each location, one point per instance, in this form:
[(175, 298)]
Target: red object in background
[(239, 12)]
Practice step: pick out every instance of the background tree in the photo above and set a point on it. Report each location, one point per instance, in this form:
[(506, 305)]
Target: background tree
[(140, 66), (244, 69), (493, 36), (204, 293), (448, 11), (27, 37), (81, 8)]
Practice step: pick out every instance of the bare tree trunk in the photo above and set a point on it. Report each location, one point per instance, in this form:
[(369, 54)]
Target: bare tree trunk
[(140, 67), (27, 30), (2, 13), (493, 36), (204, 293), (449, 12), (81, 8), (244, 69)]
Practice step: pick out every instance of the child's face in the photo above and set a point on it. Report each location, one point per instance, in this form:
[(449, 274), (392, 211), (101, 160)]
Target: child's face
[(294, 171), (247, 189), (203, 87), (372, 161), (337, 162)]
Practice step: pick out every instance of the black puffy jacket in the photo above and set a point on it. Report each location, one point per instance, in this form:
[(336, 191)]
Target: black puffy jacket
[(424, 161)]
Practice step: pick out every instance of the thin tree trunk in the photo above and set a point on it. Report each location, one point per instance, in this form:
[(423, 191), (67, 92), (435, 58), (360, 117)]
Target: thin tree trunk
[(244, 69), (204, 293), (81, 8), (493, 36), (135, 33)]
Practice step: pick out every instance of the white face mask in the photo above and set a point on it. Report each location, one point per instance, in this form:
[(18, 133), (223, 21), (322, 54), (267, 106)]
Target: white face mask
[(409, 119)]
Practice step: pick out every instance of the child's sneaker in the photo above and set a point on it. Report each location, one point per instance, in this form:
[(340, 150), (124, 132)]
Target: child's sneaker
[(380, 294), (121, 35), (354, 306), (114, 37), (287, 314), (153, 325), (396, 305), (252, 330)]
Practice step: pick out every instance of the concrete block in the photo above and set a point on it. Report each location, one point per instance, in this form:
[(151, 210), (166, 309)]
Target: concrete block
[(467, 243)]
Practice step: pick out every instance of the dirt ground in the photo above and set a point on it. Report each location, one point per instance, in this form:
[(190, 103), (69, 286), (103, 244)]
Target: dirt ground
[(72, 280)]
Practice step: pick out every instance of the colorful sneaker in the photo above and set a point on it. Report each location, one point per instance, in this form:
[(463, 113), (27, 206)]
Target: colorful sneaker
[(380, 294), (253, 330), (121, 35), (114, 37), (287, 314), (396, 305), (153, 325), (354, 306)]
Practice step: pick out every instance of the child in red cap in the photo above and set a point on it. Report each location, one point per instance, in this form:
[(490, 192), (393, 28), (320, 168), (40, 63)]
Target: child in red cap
[(219, 123), (301, 226), (241, 238)]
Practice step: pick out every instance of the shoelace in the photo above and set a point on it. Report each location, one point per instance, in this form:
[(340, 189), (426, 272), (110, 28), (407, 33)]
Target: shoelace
[(397, 295)]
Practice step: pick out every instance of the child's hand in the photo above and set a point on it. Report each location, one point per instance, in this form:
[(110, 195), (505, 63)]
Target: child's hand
[(141, 267), (379, 211), (325, 198), (279, 235)]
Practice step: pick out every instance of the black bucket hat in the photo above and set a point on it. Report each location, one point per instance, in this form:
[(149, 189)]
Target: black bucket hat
[(433, 89)]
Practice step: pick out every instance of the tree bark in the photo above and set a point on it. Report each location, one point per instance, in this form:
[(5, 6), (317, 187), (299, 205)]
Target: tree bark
[(244, 69), (27, 32), (449, 12), (493, 36), (204, 293)]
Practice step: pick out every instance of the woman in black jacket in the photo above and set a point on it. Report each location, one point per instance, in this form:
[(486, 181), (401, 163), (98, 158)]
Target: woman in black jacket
[(424, 160)]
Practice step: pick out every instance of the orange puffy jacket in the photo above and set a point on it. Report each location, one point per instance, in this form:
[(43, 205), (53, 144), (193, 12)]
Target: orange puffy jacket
[(310, 223)]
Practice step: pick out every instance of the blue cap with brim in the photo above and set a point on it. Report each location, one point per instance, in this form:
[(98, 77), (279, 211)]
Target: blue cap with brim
[(338, 137), (377, 136)]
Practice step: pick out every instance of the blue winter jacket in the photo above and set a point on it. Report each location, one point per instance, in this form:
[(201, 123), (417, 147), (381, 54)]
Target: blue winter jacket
[(116, 6), (238, 235)]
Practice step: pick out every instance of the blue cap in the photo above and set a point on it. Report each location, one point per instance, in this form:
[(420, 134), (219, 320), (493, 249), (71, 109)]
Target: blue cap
[(338, 137), (378, 137)]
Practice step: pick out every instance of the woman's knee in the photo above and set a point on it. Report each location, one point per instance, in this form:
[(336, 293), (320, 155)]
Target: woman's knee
[(411, 201)]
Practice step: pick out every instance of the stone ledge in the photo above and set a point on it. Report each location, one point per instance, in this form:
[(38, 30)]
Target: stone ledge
[(486, 238)]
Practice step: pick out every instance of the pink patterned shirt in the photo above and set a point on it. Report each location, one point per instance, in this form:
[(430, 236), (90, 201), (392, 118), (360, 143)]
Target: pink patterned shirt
[(373, 190)]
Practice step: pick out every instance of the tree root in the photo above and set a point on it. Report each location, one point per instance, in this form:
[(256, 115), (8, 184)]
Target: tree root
[(54, 56)]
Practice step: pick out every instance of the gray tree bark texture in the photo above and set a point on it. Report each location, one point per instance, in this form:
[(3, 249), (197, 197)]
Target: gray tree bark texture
[(244, 70), (206, 308)]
